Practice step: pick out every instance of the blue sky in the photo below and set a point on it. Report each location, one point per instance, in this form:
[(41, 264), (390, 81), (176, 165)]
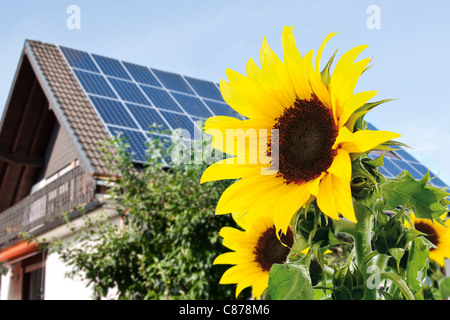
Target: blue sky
[(200, 38)]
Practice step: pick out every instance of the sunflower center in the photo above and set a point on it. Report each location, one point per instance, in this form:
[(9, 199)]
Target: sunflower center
[(306, 133), (270, 250), (429, 230)]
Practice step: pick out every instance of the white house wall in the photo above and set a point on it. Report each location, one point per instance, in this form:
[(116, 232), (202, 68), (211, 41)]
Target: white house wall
[(57, 285)]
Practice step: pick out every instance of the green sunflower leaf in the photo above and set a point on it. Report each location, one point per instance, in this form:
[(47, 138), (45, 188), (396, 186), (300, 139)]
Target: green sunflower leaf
[(290, 282), (397, 254), (417, 265), (444, 287), (341, 293), (423, 199)]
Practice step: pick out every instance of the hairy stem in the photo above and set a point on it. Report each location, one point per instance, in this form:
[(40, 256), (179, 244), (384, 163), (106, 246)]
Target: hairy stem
[(361, 233)]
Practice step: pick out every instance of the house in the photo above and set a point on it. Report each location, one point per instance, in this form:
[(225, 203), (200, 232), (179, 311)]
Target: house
[(61, 103)]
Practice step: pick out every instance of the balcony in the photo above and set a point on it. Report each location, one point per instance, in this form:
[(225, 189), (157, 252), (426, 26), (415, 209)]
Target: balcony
[(45, 207)]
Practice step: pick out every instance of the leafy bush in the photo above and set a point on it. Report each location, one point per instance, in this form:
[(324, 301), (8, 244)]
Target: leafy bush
[(170, 236)]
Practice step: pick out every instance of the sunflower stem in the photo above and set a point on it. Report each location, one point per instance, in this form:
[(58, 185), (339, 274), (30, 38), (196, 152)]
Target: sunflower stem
[(361, 233), (363, 247)]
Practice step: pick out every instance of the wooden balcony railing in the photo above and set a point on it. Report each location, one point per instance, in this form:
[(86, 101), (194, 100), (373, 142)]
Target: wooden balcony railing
[(65, 194)]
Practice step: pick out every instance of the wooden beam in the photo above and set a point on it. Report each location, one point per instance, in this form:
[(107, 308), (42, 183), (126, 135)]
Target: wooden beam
[(22, 160)]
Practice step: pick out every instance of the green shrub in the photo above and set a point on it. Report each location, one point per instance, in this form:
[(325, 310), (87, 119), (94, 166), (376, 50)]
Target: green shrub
[(170, 236)]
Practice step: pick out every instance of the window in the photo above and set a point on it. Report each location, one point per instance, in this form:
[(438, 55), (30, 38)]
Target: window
[(33, 277)]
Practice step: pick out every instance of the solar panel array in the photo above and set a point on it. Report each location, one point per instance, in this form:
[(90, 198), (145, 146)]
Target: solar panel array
[(129, 98)]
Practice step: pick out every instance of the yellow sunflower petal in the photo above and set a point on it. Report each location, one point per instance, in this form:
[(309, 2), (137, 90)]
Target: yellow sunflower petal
[(295, 65), (315, 80), (352, 104), (342, 85), (235, 137), (232, 234), (363, 140), (250, 280), (277, 75), (239, 272), (231, 258), (246, 197), (291, 202), (242, 193), (342, 166), (319, 52), (325, 198), (222, 170), (347, 59), (260, 285), (235, 101), (254, 94), (343, 198)]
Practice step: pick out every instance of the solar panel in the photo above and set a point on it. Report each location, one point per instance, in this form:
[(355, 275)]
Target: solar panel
[(147, 117), (161, 98), (136, 139), (113, 112), (173, 81), (404, 165), (95, 84), (205, 89), (221, 109), (180, 121), (141, 74), (405, 155), (79, 59), (192, 105), (111, 67), (128, 91), (130, 98)]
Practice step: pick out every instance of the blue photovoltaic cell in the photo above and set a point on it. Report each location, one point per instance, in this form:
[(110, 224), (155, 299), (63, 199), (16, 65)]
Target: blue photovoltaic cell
[(405, 166), (79, 59), (146, 117), (128, 91), (205, 89), (113, 112), (135, 139), (160, 98), (111, 67), (192, 105), (173, 81), (94, 83), (221, 109), (405, 155), (386, 173), (141, 74), (391, 167), (438, 182), (422, 169), (179, 121), (370, 126)]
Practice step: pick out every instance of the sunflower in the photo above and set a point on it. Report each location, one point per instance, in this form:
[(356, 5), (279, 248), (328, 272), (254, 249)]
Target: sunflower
[(437, 234), (255, 250), (295, 142)]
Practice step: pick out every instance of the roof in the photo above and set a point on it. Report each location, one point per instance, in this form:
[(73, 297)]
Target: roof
[(70, 102)]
